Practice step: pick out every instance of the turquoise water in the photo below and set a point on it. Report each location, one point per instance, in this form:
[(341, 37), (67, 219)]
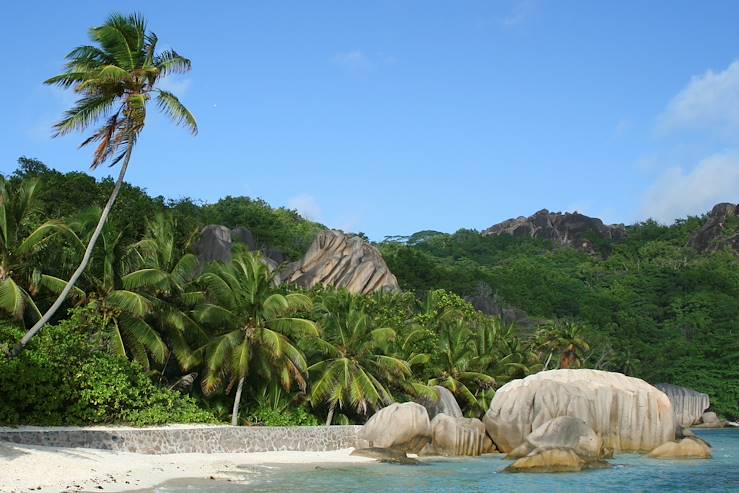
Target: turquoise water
[(631, 473)]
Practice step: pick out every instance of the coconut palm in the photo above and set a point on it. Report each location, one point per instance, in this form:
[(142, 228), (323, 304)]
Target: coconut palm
[(355, 367), (165, 276), (20, 243), (566, 339), (457, 366), (252, 326), (125, 311), (115, 78)]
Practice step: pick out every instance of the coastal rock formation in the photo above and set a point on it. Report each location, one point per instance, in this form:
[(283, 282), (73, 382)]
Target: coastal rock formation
[(403, 427), (711, 236), (446, 404), (562, 432), (554, 460), (216, 243), (710, 420), (457, 437), (627, 413), (687, 405), (569, 228), (687, 448), (342, 261)]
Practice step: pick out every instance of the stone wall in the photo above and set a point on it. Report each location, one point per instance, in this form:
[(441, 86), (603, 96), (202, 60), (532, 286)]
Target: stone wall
[(188, 439)]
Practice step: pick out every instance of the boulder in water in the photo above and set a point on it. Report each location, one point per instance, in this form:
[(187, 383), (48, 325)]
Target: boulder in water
[(457, 437), (555, 460), (562, 432), (687, 405), (627, 413), (687, 448)]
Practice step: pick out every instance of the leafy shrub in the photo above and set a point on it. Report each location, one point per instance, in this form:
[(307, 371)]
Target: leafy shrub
[(65, 378)]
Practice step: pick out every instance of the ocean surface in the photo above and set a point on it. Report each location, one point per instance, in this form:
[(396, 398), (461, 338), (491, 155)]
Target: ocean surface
[(631, 473)]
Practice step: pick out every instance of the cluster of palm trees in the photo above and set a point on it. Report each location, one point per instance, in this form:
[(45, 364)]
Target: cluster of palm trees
[(236, 332)]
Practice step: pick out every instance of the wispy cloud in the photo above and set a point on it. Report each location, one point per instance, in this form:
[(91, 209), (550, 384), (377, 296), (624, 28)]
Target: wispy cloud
[(176, 86), (307, 205), (709, 101), (678, 193), (360, 60), (520, 12)]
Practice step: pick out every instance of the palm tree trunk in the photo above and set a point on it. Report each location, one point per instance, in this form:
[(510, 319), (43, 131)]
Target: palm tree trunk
[(83, 265), (330, 417), (237, 401)]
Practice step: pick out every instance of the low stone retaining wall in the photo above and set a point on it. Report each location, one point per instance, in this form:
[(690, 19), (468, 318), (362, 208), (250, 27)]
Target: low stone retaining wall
[(188, 439)]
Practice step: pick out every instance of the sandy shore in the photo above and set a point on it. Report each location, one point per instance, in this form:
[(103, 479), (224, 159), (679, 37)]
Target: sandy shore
[(25, 468)]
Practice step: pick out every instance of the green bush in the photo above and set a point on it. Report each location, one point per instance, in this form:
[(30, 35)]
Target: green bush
[(66, 378)]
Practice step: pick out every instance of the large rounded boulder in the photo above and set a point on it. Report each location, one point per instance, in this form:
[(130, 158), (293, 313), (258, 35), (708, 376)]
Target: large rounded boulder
[(403, 427), (627, 413), (562, 432), (452, 436), (444, 404), (687, 405)]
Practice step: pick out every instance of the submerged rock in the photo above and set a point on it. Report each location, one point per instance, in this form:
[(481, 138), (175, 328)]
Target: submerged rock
[(627, 413), (386, 455), (687, 448), (403, 427), (687, 405), (555, 460)]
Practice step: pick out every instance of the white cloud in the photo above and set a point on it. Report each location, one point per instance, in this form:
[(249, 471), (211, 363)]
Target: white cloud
[(353, 59), (710, 101), (678, 193), (178, 87), (306, 205), (520, 12)]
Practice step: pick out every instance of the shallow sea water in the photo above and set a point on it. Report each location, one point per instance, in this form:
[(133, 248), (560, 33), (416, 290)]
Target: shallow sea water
[(631, 473)]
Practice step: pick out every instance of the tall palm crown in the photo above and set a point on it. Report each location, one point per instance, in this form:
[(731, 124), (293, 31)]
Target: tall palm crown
[(252, 327), (116, 78)]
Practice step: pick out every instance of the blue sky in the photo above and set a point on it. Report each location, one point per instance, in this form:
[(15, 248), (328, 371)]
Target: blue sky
[(393, 117)]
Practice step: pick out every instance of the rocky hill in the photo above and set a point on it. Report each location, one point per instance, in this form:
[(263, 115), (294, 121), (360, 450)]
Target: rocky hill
[(720, 229), (569, 228)]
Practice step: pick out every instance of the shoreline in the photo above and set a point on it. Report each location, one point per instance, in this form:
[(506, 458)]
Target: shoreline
[(32, 468)]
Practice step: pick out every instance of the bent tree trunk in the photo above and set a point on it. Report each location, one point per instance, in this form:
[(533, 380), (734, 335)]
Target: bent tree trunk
[(83, 265), (237, 401), (330, 413)]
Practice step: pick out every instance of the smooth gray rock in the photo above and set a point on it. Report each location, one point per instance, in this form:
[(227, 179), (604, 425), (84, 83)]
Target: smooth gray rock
[(446, 404), (687, 405), (404, 427), (457, 437), (342, 261), (562, 432), (572, 229)]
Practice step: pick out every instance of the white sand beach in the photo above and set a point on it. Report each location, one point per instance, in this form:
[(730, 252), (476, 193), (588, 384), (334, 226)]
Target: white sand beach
[(26, 468)]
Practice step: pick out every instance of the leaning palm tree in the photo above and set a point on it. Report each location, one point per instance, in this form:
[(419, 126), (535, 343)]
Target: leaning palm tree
[(115, 79), (355, 368), (20, 243), (252, 326)]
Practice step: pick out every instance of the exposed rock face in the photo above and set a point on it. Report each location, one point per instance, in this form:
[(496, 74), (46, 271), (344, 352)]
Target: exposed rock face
[(216, 243), (569, 228), (342, 261), (403, 427), (554, 460), (710, 420), (687, 448), (562, 432), (710, 237), (457, 437), (687, 405), (446, 404), (627, 413)]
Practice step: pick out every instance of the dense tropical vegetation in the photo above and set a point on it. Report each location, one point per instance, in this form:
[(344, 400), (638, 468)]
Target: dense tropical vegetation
[(150, 336)]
